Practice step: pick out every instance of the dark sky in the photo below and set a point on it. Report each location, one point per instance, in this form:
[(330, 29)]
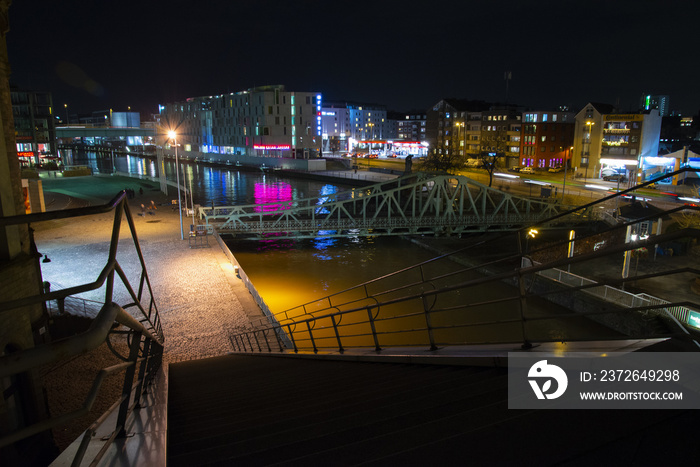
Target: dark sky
[(95, 55)]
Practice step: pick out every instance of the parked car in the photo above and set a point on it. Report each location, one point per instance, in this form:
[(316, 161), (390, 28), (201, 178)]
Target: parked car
[(606, 172), (517, 168), (527, 170), (555, 169), (615, 178)]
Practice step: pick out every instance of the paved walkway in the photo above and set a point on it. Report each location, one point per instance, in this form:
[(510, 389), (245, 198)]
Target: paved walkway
[(197, 293)]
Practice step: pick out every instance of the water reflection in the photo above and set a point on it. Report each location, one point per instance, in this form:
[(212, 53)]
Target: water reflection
[(290, 272), (219, 185)]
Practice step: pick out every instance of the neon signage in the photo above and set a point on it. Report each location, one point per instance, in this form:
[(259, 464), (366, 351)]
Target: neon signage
[(272, 146), (25, 154)]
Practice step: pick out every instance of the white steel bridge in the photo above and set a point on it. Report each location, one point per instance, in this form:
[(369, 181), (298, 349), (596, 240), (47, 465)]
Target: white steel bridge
[(413, 204)]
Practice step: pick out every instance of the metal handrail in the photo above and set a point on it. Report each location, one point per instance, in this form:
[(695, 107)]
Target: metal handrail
[(285, 313), (286, 321), (146, 334)]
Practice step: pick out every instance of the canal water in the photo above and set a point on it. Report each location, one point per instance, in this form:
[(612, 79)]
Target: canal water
[(288, 273)]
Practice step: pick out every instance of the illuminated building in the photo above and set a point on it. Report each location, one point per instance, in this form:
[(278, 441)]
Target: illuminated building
[(660, 103), (35, 128), (344, 123), (265, 121), (608, 140), (411, 126), (546, 138), (501, 133), (453, 128)]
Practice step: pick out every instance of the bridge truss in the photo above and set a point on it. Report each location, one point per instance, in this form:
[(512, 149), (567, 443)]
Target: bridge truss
[(413, 204)]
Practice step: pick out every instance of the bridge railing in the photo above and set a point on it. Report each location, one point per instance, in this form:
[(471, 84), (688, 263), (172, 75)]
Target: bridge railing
[(409, 202), (143, 331)]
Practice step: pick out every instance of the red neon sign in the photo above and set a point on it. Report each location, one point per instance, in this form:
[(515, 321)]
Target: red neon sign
[(25, 154), (272, 146)]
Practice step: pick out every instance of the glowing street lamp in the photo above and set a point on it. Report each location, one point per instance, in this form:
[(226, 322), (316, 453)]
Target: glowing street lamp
[(172, 135)]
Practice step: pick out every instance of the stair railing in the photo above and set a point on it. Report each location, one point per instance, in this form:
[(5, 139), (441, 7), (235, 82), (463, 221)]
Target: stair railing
[(144, 331), (302, 325)]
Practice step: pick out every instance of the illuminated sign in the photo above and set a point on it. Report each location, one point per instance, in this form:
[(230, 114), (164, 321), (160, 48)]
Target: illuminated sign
[(271, 146), (330, 114), (626, 118), (25, 154)]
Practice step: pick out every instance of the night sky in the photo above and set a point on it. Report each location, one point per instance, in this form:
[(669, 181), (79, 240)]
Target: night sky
[(95, 55)]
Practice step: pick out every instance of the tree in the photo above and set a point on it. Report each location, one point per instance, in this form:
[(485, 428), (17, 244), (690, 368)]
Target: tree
[(442, 162), (493, 153)]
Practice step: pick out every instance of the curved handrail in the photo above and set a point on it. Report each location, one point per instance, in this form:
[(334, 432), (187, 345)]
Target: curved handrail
[(145, 332)]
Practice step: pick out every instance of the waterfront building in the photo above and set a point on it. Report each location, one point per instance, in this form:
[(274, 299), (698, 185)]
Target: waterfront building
[(35, 126), (547, 138), (262, 122), (346, 125), (626, 143)]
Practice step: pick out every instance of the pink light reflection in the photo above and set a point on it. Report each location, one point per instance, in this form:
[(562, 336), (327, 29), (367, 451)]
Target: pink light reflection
[(280, 194)]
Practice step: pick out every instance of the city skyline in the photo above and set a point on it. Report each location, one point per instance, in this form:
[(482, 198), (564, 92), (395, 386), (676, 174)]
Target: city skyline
[(403, 55)]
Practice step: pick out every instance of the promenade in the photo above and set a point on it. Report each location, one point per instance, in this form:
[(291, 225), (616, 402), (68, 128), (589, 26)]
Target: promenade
[(199, 297)]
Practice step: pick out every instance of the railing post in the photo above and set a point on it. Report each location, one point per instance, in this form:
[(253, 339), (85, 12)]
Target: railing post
[(255, 335), (291, 336), (337, 335), (128, 383), (311, 336), (374, 329), (266, 341), (247, 336), (523, 307), (142, 371), (428, 325), (277, 330)]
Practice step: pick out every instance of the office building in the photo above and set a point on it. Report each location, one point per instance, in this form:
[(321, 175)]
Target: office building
[(262, 122)]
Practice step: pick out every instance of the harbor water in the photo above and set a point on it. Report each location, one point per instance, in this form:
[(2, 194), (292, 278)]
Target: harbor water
[(288, 273)]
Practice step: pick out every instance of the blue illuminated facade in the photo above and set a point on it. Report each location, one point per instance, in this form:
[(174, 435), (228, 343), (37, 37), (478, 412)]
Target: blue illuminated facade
[(264, 121)]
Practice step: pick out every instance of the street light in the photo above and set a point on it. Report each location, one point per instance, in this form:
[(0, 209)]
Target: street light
[(173, 136), (588, 153), (65, 106), (563, 188)]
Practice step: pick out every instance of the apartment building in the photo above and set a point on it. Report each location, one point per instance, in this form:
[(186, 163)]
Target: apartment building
[(266, 121), (546, 138), (607, 139), (411, 126)]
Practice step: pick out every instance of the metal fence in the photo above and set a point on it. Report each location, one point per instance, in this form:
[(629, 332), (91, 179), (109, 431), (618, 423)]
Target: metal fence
[(613, 294), (144, 332)]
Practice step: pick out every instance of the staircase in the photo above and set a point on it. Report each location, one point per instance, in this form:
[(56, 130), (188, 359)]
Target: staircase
[(272, 410)]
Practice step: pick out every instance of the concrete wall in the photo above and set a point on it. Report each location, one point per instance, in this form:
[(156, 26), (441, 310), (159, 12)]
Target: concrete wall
[(305, 165)]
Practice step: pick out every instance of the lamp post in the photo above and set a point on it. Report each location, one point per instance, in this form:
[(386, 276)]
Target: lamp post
[(566, 163), (588, 152), (65, 106), (173, 136)]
